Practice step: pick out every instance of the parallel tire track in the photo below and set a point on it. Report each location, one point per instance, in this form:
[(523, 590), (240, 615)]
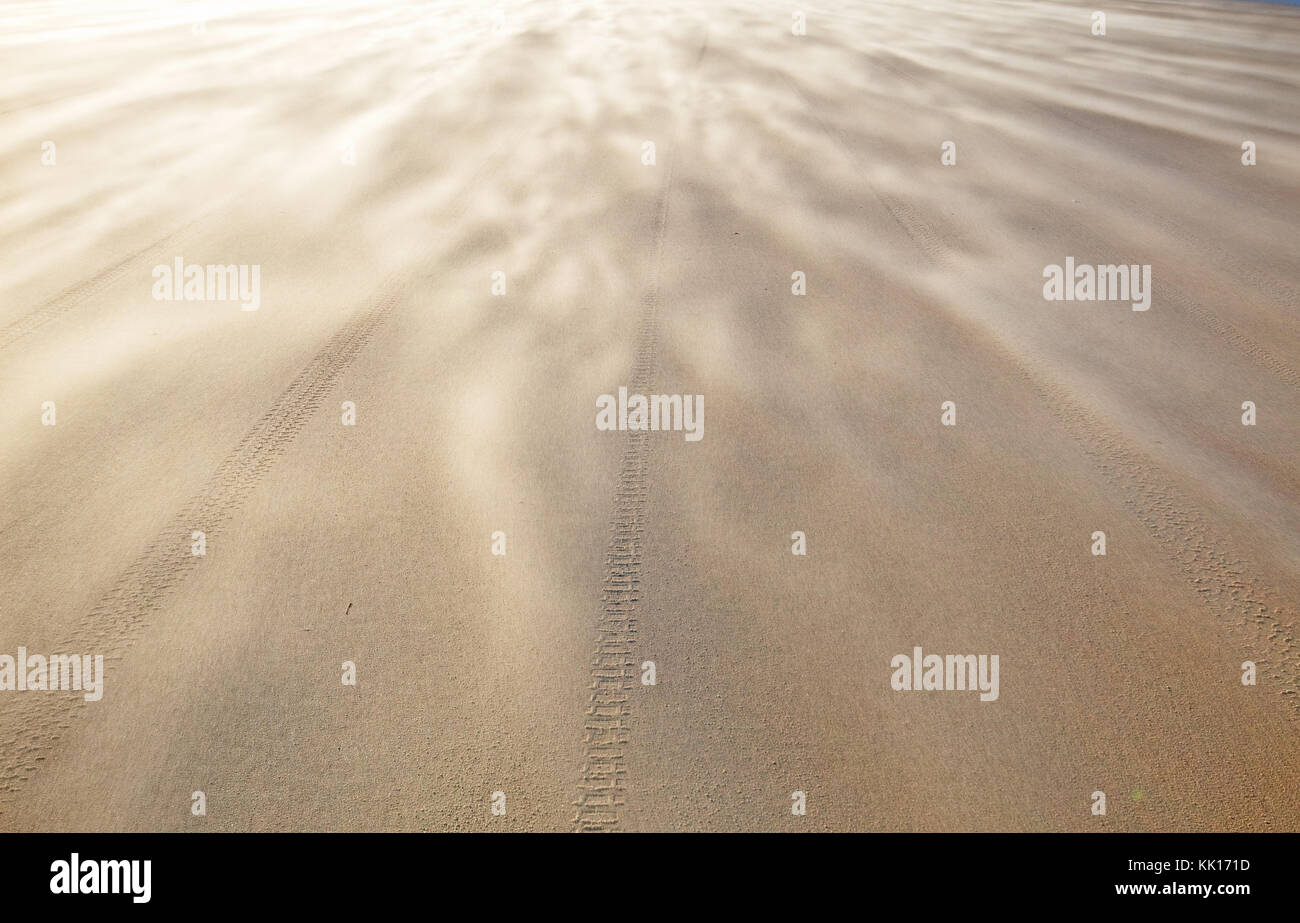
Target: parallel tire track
[(65, 301), (1274, 288), (1235, 338), (35, 723), (1255, 615)]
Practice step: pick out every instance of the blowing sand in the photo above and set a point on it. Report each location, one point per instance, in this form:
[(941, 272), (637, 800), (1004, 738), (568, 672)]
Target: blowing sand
[(381, 161)]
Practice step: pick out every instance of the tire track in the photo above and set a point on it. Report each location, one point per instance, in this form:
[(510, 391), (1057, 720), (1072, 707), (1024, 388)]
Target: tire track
[(1191, 305), (1234, 337), (1256, 615), (602, 788), (35, 723), (1275, 289), (65, 301), (926, 240), (601, 792)]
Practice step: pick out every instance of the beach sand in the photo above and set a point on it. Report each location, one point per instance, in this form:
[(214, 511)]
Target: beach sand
[(381, 161)]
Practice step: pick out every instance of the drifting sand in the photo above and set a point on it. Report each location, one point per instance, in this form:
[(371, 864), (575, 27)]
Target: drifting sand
[(515, 145)]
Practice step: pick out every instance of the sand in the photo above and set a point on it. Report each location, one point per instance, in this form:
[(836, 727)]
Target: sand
[(380, 161)]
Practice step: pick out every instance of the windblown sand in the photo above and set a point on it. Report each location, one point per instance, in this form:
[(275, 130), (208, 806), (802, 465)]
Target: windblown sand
[(514, 143)]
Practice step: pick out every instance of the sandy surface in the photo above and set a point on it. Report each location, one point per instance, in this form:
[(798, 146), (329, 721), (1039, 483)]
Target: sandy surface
[(515, 144)]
